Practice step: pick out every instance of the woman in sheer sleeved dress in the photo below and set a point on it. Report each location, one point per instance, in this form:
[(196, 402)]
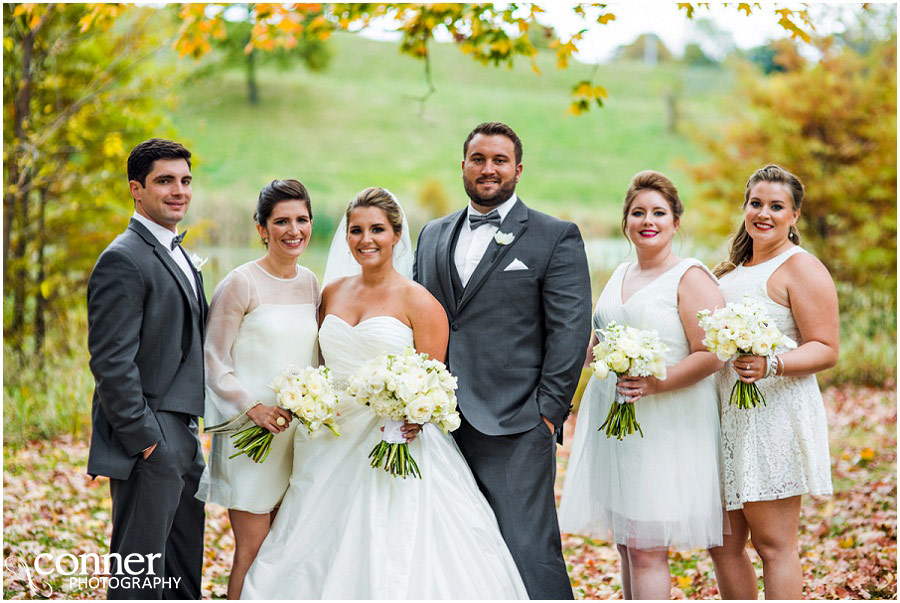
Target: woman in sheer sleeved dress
[(262, 320)]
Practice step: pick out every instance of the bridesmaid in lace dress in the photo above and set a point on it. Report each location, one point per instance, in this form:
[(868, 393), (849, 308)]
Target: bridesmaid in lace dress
[(262, 319), (774, 453), (660, 491)]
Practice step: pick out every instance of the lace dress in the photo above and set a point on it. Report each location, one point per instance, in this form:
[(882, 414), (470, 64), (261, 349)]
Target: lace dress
[(348, 531), (781, 449), (661, 490), (258, 325)]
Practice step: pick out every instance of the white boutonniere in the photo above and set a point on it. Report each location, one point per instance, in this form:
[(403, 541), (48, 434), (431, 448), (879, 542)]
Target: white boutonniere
[(504, 238), (198, 262)]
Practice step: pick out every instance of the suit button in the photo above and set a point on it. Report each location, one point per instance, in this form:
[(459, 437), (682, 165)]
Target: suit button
[(455, 327)]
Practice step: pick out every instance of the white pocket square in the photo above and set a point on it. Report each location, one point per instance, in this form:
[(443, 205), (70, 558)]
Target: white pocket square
[(516, 264)]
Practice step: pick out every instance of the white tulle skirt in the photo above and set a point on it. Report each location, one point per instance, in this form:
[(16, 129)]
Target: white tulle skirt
[(659, 491), (348, 531)]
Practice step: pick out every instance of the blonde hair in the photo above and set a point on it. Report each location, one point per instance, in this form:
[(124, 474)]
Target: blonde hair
[(383, 200), (741, 242)]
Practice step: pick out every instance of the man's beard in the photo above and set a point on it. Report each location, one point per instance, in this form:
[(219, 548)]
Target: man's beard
[(505, 191)]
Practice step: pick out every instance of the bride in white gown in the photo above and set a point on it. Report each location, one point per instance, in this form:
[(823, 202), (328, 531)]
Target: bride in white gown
[(346, 530)]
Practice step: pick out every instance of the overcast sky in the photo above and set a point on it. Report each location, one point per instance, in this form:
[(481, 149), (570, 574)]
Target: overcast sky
[(669, 23)]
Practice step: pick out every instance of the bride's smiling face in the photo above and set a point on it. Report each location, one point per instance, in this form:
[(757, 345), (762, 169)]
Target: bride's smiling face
[(370, 236)]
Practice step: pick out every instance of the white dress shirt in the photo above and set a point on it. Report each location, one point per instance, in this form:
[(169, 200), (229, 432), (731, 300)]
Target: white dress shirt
[(165, 236), (471, 244)]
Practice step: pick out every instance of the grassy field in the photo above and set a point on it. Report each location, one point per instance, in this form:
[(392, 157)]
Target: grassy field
[(356, 125)]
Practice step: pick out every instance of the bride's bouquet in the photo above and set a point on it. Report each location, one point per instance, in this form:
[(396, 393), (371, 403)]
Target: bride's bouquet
[(308, 393), (631, 352), (742, 329), (404, 387)]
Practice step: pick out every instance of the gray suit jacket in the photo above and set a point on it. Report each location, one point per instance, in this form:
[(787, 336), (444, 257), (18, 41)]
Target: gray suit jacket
[(518, 337), (145, 336)]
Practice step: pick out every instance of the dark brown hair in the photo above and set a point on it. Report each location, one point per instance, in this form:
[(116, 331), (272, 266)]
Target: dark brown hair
[(274, 193), (495, 128), (143, 156), (741, 242)]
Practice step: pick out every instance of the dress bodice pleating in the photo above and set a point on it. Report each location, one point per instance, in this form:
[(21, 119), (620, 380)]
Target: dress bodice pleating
[(654, 307), (347, 347)]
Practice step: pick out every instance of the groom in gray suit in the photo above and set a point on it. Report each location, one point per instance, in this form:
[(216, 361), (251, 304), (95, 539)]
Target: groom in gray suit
[(515, 285), (146, 317)]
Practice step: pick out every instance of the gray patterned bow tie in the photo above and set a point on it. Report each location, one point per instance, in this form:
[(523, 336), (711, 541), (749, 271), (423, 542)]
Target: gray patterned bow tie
[(177, 239), (478, 220)]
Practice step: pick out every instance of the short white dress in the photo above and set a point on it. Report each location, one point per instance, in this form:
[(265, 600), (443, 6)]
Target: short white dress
[(258, 325), (778, 450), (661, 490)]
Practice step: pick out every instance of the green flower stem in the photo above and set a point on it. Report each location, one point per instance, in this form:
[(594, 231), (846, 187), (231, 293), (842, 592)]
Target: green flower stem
[(395, 459), (746, 395), (621, 420), (254, 441)]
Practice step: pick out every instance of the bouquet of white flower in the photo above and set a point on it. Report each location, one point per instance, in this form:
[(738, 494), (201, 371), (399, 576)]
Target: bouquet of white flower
[(309, 395), (737, 329), (632, 352), (405, 387)]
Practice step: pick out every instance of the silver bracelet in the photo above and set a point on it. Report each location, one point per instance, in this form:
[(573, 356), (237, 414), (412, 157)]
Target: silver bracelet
[(771, 366)]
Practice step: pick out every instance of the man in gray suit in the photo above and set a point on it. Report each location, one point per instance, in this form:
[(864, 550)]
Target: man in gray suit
[(146, 317), (515, 285)]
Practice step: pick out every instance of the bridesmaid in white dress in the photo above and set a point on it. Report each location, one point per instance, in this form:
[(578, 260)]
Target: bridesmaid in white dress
[(346, 530), (262, 319), (660, 491), (775, 453)]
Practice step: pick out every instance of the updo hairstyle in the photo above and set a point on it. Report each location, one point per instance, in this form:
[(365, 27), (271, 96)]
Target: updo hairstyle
[(655, 181), (275, 192), (383, 200)]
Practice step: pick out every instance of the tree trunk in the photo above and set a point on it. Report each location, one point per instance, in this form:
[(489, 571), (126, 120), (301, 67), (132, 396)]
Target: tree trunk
[(252, 89), (673, 112), (40, 302), (15, 205)]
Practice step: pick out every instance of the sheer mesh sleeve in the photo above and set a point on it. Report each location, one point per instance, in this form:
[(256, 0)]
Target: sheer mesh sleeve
[(316, 293), (234, 297)]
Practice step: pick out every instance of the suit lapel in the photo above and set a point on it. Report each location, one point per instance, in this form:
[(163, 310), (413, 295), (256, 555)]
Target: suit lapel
[(444, 258), (166, 258), (515, 223), (201, 296)]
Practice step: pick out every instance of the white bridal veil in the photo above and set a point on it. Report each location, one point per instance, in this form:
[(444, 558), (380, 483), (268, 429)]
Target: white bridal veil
[(340, 261)]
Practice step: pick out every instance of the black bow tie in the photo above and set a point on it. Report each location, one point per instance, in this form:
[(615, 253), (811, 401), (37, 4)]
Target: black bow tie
[(177, 239), (477, 220)]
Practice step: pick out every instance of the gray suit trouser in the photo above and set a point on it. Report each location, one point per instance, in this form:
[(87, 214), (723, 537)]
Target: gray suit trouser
[(516, 474), (154, 512)]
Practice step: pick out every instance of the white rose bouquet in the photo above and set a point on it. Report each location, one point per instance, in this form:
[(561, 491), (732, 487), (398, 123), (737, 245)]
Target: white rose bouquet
[(632, 352), (308, 393), (405, 387), (738, 329)]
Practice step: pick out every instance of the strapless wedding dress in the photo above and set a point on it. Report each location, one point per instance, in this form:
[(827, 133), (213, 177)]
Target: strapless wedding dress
[(348, 531)]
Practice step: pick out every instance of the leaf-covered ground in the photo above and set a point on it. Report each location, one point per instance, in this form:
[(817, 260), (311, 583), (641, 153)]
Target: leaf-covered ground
[(848, 542)]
